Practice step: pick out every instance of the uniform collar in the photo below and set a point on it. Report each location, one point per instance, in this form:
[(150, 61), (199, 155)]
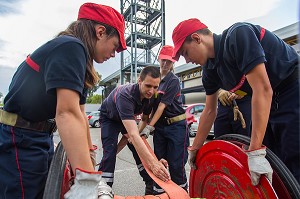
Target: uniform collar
[(167, 77), (214, 62), (137, 94)]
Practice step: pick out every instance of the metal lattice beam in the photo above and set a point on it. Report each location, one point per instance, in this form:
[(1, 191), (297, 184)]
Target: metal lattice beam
[(144, 33)]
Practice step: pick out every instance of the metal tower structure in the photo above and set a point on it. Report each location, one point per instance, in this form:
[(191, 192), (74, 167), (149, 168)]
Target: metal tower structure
[(144, 34)]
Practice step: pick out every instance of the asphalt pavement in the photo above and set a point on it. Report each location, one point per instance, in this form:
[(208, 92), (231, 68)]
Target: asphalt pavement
[(127, 180)]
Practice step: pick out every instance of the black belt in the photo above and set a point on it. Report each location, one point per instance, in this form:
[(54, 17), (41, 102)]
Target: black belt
[(15, 120), (291, 78)]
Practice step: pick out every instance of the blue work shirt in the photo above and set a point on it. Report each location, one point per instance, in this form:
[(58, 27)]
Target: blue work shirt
[(62, 64), (239, 49), (169, 93), (124, 102)]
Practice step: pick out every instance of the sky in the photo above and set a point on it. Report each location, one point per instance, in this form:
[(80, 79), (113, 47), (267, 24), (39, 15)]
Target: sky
[(27, 24)]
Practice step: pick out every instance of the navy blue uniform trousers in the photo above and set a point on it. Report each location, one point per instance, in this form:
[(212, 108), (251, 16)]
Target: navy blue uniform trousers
[(171, 142), (225, 124), (282, 135), (110, 130), (25, 158)]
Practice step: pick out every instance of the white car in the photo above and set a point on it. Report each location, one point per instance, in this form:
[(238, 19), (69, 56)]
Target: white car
[(93, 119)]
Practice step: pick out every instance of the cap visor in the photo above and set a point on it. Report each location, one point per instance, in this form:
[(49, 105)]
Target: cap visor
[(176, 52), (122, 43), (167, 57)]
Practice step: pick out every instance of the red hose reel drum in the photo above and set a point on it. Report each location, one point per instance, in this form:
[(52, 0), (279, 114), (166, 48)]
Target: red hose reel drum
[(223, 173)]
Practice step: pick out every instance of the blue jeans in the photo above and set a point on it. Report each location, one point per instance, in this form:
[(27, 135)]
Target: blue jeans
[(25, 158)]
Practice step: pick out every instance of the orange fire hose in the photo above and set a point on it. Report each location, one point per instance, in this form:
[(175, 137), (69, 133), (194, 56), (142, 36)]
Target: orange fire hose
[(172, 190)]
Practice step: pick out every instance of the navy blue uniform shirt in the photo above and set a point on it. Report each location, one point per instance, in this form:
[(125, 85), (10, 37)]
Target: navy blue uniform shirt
[(124, 102), (169, 94), (32, 94), (239, 49)]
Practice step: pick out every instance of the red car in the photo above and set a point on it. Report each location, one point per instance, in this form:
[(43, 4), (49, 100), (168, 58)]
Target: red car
[(138, 118)]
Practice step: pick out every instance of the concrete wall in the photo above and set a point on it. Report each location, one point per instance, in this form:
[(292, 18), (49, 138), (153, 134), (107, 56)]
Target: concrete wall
[(92, 107), (191, 98)]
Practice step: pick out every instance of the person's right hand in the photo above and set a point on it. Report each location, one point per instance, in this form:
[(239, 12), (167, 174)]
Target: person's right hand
[(164, 162), (226, 97), (93, 155), (223, 97), (159, 170), (192, 157)]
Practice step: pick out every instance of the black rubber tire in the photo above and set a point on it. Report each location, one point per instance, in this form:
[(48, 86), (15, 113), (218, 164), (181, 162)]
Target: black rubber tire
[(278, 166), (56, 174), (191, 133), (96, 124)]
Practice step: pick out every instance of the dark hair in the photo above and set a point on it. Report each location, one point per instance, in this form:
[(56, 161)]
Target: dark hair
[(153, 71), (204, 31), (84, 30)]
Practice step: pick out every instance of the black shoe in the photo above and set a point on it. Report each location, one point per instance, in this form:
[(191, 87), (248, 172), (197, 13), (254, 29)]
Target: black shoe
[(149, 188)]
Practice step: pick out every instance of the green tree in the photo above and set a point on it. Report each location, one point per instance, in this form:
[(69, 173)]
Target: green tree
[(95, 88), (94, 99), (1, 95)]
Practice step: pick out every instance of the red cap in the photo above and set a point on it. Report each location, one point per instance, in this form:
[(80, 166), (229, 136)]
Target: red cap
[(166, 52), (106, 15), (182, 30)]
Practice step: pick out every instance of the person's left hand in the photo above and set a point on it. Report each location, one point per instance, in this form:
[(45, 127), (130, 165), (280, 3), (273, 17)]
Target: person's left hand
[(89, 184), (259, 165), (146, 131)]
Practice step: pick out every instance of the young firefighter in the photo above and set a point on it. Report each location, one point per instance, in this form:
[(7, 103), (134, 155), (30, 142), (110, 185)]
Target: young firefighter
[(51, 84), (117, 115), (170, 136), (248, 52)]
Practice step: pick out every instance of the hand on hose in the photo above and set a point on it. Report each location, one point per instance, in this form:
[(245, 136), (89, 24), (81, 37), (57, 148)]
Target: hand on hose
[(159, 170), (93, 155), (223, 97), (89, 185), (192, 157), (147, 131), (237, 115), (259, 165), (164, 162)]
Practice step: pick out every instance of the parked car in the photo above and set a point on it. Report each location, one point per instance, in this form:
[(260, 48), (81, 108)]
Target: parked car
[(88, 112), (138, 118), (193, 112), (194, 127), (93, 119)]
